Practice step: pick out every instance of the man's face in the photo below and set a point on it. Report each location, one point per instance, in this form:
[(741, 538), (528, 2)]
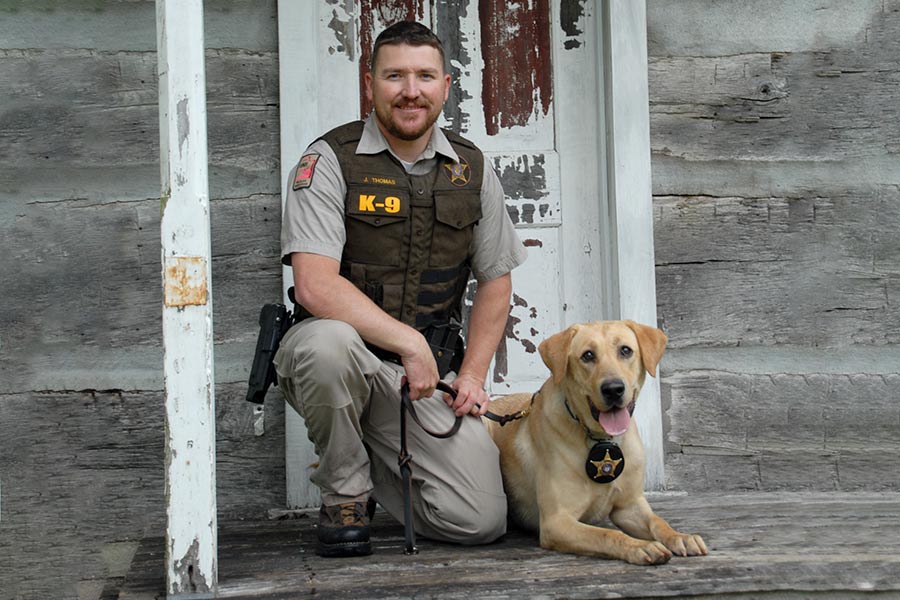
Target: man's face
[(408, 88)]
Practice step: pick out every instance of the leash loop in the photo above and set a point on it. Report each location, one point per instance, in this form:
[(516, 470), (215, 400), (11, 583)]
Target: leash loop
[(405, 459)]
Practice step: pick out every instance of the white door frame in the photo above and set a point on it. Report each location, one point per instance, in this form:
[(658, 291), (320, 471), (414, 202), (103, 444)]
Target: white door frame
[(622, 281), (630, 282)]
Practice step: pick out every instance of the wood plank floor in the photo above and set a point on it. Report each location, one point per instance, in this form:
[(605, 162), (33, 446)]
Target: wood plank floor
[(787, 546)]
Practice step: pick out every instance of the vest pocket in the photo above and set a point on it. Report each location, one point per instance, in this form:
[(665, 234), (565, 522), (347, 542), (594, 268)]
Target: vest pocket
[(376, 226), (374, 239), (456, 214)]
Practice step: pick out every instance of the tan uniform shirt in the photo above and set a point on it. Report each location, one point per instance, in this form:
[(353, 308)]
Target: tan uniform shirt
[(313, 218)]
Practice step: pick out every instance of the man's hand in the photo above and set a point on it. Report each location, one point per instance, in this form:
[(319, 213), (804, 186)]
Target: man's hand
[(421, 370), (470, 396)]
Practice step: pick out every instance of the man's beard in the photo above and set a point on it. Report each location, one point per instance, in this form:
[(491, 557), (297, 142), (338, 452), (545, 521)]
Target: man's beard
[(406, 135)]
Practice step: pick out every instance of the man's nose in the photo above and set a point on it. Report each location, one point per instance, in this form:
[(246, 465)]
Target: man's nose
[(410, 87)]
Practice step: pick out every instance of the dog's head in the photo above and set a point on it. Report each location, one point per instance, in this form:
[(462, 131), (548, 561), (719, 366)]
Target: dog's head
[(601, 366)]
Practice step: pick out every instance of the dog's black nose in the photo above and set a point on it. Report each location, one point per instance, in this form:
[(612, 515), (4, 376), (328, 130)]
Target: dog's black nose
[(613, 391)]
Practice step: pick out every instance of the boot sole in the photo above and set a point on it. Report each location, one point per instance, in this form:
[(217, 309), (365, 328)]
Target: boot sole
[(344, 550)]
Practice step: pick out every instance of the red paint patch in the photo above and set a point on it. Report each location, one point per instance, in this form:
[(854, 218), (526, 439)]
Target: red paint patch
[(515, 46)]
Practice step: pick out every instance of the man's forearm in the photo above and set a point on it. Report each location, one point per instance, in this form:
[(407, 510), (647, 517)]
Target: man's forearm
[(328, 295), (487, 325)]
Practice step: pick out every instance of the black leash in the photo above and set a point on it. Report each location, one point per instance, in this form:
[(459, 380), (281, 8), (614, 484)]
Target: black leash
[(405, 459)]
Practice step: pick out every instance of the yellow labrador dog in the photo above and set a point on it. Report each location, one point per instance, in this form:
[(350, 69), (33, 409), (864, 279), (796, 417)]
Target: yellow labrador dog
[(577, 458)]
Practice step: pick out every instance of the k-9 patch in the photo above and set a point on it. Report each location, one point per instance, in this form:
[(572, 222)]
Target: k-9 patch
[(305, 171)]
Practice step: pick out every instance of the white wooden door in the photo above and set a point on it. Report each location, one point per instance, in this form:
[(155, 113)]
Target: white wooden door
[(534, 86)]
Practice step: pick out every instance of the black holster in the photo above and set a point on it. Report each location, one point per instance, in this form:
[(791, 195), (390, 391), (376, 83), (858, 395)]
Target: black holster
[(446, 345), (274, 321)]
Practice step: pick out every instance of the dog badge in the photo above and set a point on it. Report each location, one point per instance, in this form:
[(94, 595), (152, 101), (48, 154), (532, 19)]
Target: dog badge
[(605, 462)]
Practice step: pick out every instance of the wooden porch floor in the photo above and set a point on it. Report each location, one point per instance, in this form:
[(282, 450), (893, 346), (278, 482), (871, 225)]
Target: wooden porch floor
[(762, 545)]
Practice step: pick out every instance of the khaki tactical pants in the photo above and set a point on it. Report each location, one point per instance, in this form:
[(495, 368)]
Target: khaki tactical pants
[(350, 401)]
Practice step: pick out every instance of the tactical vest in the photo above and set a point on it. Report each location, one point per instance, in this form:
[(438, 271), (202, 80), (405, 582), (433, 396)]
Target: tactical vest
[(408, 236)]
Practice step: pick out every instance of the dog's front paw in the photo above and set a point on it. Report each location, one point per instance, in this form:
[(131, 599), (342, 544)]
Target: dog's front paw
[(648, 553), (686, 544)]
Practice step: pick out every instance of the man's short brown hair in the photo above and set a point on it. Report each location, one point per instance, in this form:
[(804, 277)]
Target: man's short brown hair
[(410, 33)]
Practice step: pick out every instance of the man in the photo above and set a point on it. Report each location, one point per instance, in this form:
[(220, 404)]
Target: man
[(383, 225)]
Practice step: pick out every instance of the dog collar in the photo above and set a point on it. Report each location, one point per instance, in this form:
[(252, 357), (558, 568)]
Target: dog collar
[(587, 431)]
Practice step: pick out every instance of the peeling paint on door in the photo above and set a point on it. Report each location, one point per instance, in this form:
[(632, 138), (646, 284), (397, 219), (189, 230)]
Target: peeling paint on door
[(571, 12), (515, 46), (531, 184), (343, 25), (453, 26)]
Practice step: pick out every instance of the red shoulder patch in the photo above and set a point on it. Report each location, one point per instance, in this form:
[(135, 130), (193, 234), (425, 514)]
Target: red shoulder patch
[(305, 171)]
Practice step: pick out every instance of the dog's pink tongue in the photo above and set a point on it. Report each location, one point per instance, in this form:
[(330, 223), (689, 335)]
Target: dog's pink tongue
[(615, 422)]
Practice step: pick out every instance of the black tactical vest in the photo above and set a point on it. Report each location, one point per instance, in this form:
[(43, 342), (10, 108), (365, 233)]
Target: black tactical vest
[(408, 236)]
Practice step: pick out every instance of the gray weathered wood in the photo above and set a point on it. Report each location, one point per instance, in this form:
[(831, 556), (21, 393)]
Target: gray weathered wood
[(82, 472), (722, 29), (779, 270), (761, 545), (91, 112), (113, 25), (731, 431)]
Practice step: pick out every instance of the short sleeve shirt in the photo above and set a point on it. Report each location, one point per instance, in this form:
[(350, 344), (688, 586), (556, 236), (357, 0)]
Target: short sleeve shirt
[(313, 218)]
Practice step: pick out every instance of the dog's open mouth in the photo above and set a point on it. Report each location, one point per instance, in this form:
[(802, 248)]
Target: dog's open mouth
[(615, 421)]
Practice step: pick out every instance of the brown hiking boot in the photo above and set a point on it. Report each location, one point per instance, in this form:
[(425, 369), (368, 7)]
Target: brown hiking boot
[(344, 529)]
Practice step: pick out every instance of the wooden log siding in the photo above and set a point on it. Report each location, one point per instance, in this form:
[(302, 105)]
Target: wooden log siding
[(808, 260), (92, 167), (68, 527), (805, 271), (776, 181)]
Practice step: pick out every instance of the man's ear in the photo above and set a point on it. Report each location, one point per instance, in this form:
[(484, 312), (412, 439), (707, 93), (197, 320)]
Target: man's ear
[(368, 84), (555, 352), (652, 342)]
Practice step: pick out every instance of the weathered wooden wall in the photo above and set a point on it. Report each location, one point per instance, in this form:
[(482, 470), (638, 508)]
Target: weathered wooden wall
[(774, 129), (81, 405)]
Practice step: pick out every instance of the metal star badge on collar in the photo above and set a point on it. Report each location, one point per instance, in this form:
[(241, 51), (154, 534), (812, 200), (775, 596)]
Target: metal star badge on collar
[(605, 462)]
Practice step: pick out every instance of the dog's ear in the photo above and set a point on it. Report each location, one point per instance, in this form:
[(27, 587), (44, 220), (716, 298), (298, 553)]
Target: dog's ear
[(652, 342), (555, 352)]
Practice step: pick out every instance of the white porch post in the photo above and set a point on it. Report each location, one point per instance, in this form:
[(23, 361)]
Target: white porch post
[(631, 272), (191, 565)]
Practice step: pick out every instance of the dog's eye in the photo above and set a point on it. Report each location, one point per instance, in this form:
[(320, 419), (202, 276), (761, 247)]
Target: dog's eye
[(625, 352), (588, 356)]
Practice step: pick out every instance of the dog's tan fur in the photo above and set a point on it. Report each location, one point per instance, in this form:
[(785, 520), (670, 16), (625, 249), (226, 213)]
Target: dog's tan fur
[(543, 455)]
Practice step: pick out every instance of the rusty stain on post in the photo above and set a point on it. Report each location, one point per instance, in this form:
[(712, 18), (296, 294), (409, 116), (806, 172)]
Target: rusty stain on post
[(185, 281)]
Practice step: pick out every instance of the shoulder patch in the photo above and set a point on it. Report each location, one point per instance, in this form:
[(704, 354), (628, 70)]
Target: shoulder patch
[(305, 171)]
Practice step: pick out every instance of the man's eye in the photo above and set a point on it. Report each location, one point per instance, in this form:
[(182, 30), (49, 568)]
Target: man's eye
[(626, 352), (588, 356)]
